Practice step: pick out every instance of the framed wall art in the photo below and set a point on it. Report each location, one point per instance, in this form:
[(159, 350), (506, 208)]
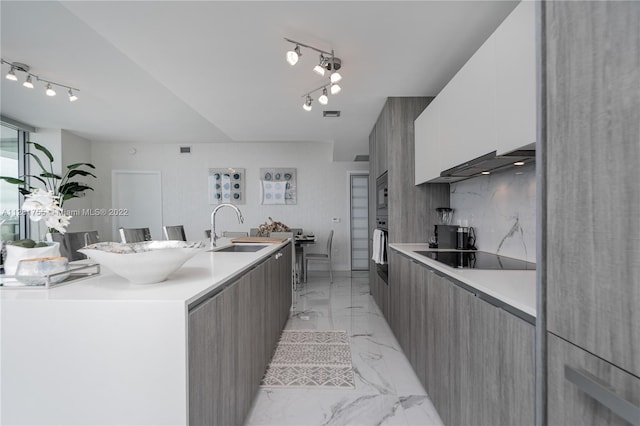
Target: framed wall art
[(279, 185), (226, 185)]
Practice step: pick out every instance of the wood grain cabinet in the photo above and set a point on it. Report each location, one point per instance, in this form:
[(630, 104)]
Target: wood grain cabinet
[(592, 152), (232, 336), (475, 360)]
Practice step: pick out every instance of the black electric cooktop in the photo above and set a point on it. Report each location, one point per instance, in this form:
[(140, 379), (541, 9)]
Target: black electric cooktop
[(477, 260)]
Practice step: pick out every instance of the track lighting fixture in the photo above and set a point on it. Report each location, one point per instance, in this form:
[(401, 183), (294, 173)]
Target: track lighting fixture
[(307, 103), (324, 99), (50, 91), (319, 69), (11, 75), (294, 55), (28, 83), (326, 62)]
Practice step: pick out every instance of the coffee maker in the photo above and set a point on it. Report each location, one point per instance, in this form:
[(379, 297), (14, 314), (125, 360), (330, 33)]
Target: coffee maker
[(445, 234), (449, 236)]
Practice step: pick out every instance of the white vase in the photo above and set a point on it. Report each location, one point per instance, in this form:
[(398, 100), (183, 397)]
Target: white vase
[(15, 254)]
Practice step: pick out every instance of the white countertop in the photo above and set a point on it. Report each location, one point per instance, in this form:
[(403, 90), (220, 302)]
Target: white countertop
[(198, 276), (515, 288), (105, 351)]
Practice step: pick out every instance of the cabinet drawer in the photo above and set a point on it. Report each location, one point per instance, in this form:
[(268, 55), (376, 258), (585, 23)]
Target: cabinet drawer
[(578, 379)]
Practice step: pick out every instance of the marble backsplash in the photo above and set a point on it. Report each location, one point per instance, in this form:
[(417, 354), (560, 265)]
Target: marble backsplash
[(502, 209)]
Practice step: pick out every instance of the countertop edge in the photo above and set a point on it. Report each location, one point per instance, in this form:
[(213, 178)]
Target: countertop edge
[(524, 309)]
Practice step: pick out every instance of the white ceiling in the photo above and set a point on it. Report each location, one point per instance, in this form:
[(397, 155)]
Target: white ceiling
[(215, 71)]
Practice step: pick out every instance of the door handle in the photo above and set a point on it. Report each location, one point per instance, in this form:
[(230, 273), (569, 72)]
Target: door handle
[(601, 392)]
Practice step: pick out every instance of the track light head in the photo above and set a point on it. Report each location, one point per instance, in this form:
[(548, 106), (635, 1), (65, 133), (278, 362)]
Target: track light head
[(294, 55), (335, 89), (322, 64), (307, 103), (11, 75), (324, 99), (335, 77), (28, 83), (72, 97), (50, 91)]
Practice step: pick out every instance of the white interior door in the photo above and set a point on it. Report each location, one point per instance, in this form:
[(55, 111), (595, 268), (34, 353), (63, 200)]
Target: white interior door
[(137, 201)]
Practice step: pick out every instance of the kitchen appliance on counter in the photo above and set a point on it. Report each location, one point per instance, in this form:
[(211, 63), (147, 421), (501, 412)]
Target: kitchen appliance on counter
[(445, 214), (477, 260)]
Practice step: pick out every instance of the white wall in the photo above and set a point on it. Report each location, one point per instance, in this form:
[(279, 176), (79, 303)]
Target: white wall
[(502, 209), (78, 150), (323, 190)]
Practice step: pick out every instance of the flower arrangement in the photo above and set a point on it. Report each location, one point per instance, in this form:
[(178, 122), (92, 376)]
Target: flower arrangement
[(272, 226), (46, 203)]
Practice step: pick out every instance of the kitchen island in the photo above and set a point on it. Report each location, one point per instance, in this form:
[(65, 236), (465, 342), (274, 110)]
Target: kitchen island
[(104, 351)]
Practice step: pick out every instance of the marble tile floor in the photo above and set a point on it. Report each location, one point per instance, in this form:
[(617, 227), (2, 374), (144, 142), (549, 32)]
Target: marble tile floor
[(387, 390)]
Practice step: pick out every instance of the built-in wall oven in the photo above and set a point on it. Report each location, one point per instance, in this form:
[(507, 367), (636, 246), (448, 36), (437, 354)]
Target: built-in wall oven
[(381, 236)]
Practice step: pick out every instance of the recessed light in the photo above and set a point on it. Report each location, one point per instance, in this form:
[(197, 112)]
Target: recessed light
[(519, 163), (486, 173)]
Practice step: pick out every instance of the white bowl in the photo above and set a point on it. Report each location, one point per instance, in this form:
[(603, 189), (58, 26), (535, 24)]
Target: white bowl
[(146, 262)]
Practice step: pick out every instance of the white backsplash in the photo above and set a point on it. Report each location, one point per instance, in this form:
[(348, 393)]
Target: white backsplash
[(502, 209)]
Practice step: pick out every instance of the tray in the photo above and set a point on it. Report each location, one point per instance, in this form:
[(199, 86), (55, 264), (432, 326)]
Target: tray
[(266, 240), (76, 273)]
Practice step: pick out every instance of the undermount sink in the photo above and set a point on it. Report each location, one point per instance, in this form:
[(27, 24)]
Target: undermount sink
[(236, 248)]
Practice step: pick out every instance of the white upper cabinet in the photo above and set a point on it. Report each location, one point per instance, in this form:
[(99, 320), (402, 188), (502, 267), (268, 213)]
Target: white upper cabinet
[(489, 105), (516, 79)]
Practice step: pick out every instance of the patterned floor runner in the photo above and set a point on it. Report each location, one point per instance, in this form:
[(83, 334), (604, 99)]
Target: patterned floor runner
[(310, 358)]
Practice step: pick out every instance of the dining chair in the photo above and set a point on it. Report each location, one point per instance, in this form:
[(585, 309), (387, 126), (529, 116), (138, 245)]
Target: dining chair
[(319, 257), (72, 241), (253, 232), (135, 235), (232, 234), (175, 232)]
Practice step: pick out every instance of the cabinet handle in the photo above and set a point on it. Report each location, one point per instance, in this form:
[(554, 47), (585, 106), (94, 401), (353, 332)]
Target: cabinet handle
[(601, 392)]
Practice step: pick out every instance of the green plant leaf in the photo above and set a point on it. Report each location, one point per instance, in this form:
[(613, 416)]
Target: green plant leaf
[(76, 165), (42, 149), (73, 173), (37, 161), (50, 175), (13, 181), (24, 191), (38, 178), (72, 188)]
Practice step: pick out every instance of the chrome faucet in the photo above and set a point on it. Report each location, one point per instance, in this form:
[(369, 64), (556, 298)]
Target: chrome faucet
[(214, 236)]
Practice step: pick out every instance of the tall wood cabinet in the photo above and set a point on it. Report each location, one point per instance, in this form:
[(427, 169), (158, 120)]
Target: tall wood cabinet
[(592, 152), (412, 212), (232, 335)]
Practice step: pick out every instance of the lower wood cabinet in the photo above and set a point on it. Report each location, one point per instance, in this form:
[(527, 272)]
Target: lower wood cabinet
[(475, 360), (232, 336), (576, 380)]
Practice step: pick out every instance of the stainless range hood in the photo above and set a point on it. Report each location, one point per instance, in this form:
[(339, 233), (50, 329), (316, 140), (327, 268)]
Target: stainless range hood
[(490, 162)]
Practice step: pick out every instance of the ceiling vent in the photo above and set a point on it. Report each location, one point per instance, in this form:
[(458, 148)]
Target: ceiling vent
[(331, 113), (361, 157), (185, 150)]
